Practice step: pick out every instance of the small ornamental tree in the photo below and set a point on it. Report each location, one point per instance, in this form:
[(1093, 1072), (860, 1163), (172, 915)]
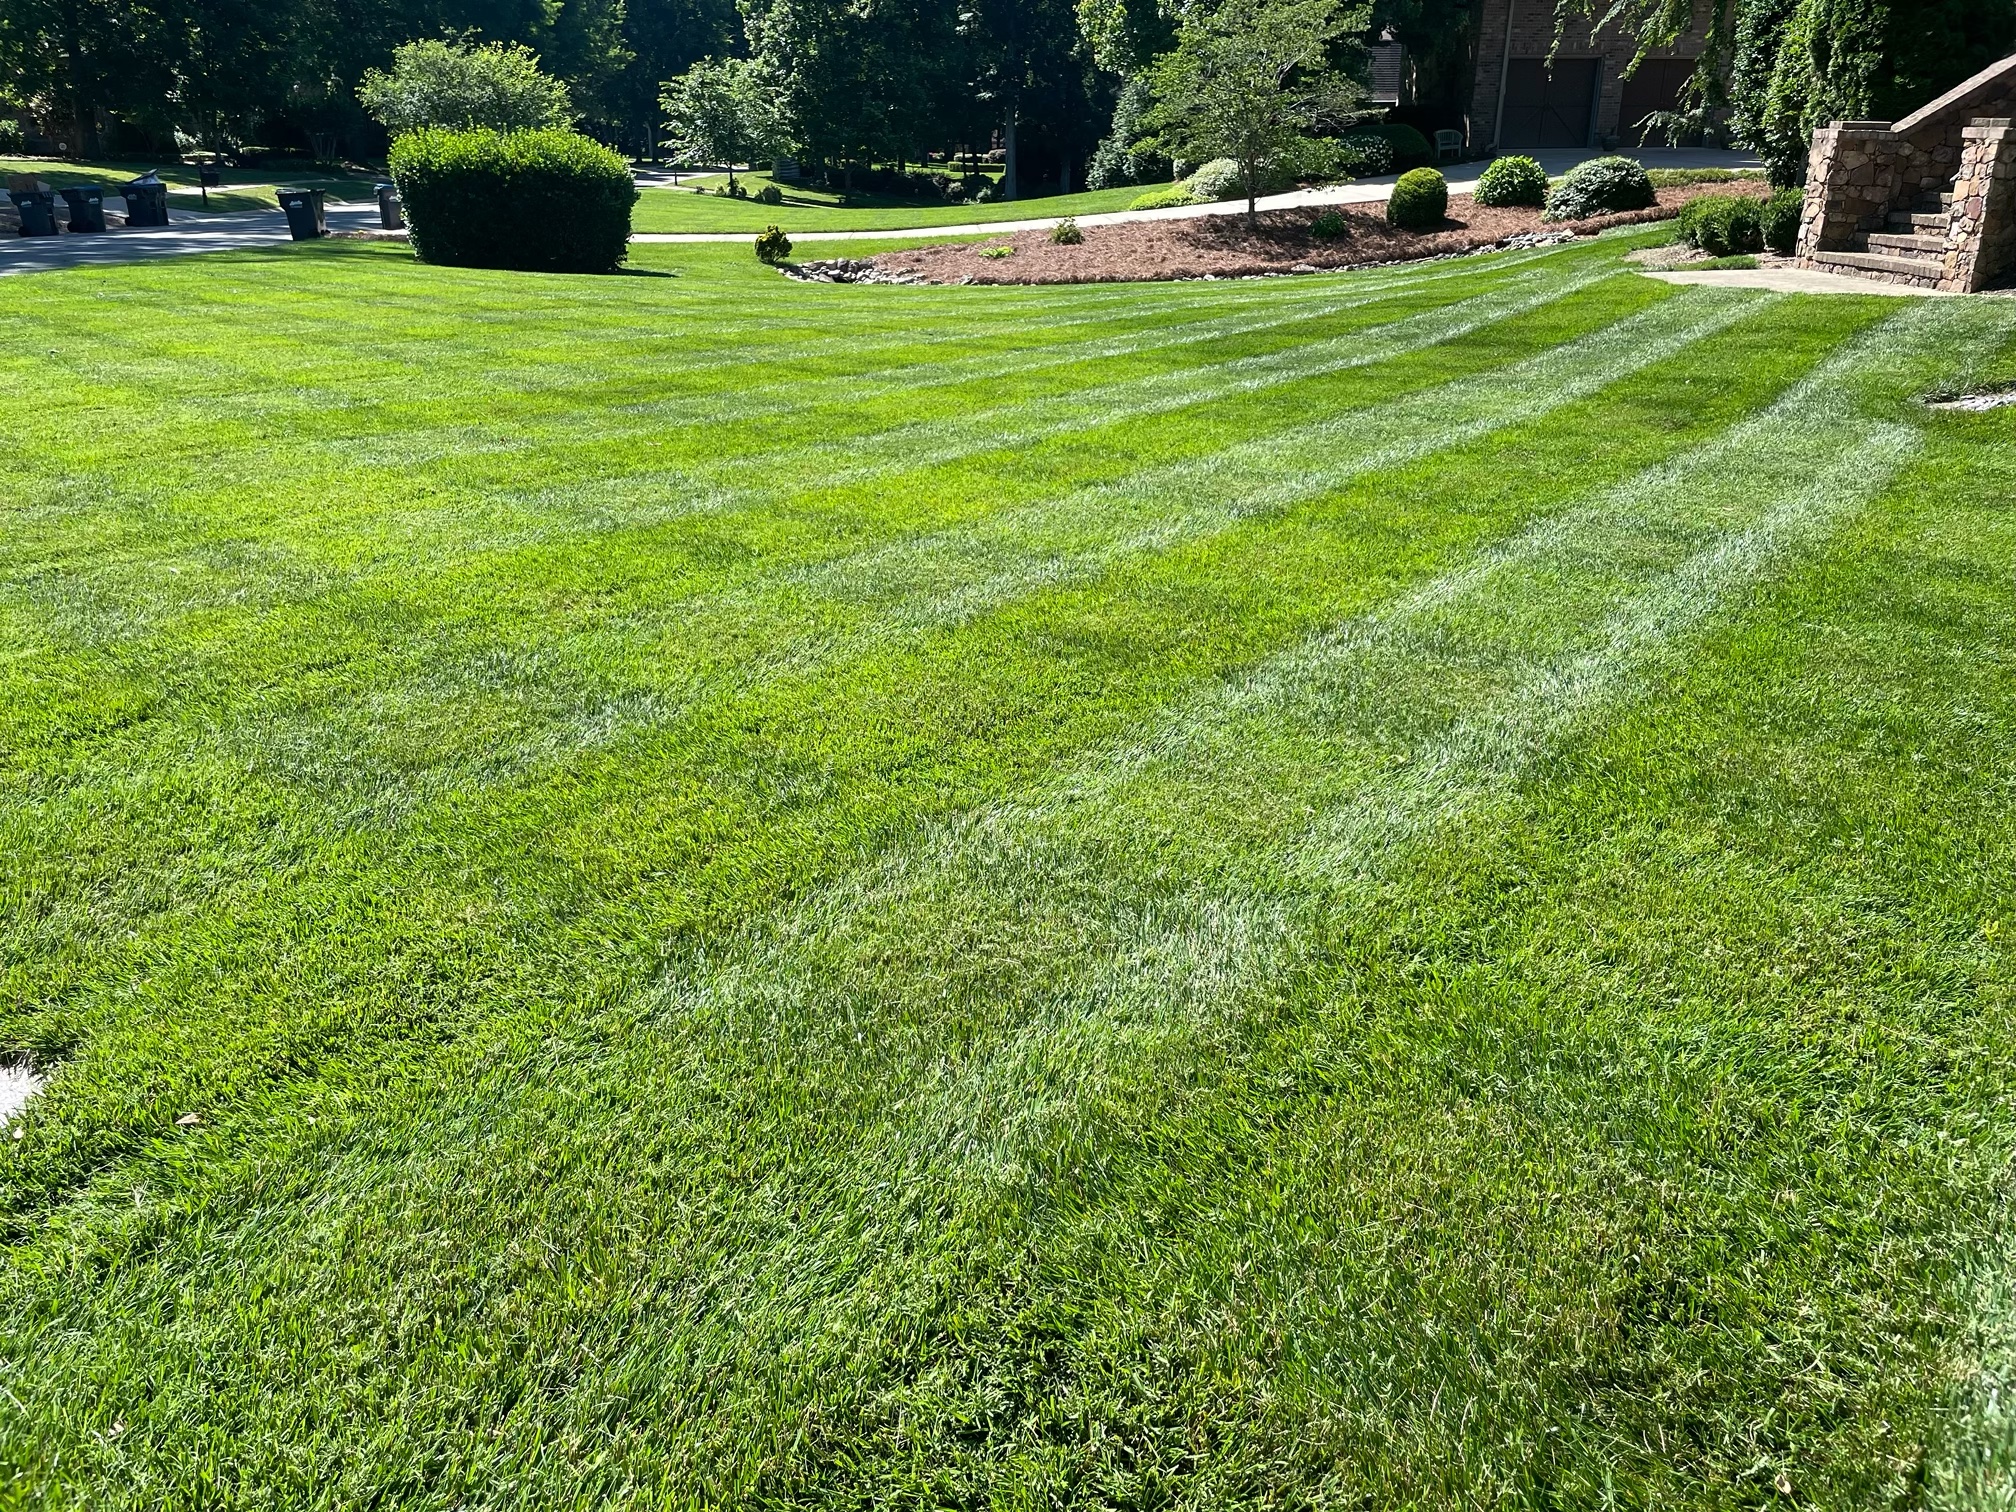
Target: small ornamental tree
[(1250, 80), (463, 87), (720, 112)]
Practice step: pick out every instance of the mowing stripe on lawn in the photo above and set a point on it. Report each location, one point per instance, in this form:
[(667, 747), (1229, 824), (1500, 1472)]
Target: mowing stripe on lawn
[(982, 565), (912, 445), (1173, 958)]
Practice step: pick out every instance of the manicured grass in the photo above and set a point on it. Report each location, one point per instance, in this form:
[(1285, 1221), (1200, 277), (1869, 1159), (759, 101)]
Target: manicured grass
[(1377, 890), (806, 210)]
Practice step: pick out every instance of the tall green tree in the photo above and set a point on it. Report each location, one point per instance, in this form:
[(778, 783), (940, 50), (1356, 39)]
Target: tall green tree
[(721, 111), (1252, 79), (465, 85)]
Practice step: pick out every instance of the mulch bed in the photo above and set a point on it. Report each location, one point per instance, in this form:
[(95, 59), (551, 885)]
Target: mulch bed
[(1223, 246)]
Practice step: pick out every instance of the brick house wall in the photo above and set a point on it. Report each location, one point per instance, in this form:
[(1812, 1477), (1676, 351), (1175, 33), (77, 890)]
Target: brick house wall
[(1586, 88)]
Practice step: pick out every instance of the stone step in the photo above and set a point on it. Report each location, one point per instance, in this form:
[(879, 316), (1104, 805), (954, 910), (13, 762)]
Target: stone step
[(1909, 246), (1924, 220), (1876, 262)]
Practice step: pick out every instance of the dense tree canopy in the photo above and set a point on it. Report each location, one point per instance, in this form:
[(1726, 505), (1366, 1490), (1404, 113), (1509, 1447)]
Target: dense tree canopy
[(439, 83)]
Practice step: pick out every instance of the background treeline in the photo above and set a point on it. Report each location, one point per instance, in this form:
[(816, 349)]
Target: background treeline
[(856, 83), (859, 82)]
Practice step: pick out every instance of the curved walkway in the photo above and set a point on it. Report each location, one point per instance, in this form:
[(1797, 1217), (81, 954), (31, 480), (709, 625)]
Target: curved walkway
[(1370, 191)]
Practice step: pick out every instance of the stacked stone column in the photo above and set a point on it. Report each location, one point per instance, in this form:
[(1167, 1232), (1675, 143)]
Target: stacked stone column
[(1851, 179), (1981, 228)]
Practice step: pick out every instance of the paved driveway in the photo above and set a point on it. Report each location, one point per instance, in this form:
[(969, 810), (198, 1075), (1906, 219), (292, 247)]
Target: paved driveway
[(184, 233)]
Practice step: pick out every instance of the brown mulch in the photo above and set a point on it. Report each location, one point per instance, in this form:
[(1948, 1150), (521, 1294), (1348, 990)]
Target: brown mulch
[(1223, 246)]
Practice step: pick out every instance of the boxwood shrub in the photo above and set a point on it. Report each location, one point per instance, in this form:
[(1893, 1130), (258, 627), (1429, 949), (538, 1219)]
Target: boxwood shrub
[(1600, 187), (538, 201), (1420, 200), (1779, 220), (1513, 181), (1722, 225)]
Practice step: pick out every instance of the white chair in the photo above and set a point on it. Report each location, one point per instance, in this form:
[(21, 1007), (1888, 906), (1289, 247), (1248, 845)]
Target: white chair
[(1448, 144)]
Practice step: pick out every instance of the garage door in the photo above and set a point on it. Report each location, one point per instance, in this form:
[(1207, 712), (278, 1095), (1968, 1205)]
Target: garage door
[(1550, 107), (1657, 85)]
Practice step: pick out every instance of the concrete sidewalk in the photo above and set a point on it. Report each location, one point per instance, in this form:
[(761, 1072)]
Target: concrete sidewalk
[(1371, 191), (185, 233)]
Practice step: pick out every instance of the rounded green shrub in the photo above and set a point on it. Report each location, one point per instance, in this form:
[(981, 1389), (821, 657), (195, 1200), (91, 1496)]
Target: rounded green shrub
[(1420, 200), (1722, 225), (769, 194), (1066, 233), (1601, 186), (772, 246), (1513, 181), (536, 201), (1219, 179), (1779, 220), (1329, 225), (1168, 196)]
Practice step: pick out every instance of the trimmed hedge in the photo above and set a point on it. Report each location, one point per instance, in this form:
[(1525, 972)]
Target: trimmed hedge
[(1722, 225), (1165, 198), (536, 201), (1420, 200), (1779, 220), (1600, 186), (1513, 181)]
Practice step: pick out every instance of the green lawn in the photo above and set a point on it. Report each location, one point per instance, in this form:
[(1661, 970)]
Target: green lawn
[(238, 188), (807, 210), (1383, 890)]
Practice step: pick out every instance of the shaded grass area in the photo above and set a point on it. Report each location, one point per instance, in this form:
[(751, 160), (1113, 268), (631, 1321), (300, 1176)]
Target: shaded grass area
[(1380, 890), (807, 210)]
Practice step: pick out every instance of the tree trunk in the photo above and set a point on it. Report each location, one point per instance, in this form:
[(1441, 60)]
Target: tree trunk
[(1252, 194), (1008, 157), (84, 110), (1064, 172)]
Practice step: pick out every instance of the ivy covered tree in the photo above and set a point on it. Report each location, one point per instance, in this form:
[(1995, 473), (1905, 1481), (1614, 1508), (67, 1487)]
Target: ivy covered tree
[(1782, 68)]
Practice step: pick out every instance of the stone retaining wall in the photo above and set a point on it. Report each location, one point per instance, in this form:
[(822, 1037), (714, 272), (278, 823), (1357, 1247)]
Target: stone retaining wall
[(1859, 172)]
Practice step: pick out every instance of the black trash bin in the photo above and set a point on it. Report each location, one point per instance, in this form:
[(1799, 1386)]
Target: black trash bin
[(146, 201), (87, 207), (37, 208), (305, 220), (388, 207)]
